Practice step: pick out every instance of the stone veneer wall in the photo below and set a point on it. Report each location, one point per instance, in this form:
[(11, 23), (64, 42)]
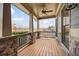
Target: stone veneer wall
[(8, 46)]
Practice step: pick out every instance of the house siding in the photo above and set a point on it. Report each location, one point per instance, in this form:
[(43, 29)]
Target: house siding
[(74, 32)]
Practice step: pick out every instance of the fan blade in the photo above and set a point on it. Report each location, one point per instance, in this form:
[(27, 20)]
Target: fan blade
[(49, 10)]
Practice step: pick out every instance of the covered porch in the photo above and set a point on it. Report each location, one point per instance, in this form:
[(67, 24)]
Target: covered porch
[(38, 43)]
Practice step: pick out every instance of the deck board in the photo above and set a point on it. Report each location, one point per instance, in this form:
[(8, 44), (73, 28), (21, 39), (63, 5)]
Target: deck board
[(43, 47)]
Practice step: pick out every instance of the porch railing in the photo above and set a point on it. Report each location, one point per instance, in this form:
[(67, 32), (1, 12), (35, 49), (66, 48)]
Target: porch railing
[(47, 34), (22, 40), (19, 41), (25, 39)]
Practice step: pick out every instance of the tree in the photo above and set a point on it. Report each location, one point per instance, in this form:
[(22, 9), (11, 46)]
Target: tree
[(50, 27)]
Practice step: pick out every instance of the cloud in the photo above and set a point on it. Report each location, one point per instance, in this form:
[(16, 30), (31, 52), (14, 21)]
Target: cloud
[(20, 22), (18, 19), (47, 22)]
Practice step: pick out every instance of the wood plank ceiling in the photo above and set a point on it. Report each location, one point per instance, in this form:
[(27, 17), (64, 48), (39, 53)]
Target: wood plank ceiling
[(36, 9)]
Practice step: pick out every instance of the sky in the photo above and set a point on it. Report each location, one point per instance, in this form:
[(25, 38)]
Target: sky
[(47, 22), (21, 19)]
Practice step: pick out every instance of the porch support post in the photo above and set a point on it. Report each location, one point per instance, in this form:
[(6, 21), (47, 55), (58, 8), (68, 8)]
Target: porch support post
[(38, 33), (56, 21), (31, 23), (38, 25), (6, 27), (31, 28)]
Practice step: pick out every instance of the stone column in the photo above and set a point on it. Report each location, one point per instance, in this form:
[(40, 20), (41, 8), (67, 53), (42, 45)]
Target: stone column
[(6, 27)]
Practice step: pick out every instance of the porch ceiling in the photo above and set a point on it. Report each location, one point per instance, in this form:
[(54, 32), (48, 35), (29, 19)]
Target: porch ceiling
[(36, 9)]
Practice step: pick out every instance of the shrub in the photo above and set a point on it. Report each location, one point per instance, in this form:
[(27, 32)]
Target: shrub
[(19, 33)]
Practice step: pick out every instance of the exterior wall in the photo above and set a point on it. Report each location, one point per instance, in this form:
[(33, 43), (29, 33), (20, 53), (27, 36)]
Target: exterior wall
[(8, 46), (1, 13), (74, 32)]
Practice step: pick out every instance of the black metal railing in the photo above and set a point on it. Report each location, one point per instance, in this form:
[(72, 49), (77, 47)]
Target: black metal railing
[(25, 39), (22, 40), (29, 38)]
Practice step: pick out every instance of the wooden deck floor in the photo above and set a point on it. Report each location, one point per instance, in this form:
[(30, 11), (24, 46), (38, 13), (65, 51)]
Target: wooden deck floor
[(43, 47)]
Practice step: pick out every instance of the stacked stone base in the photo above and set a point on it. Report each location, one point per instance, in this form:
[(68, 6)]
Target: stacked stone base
[(8, 46)]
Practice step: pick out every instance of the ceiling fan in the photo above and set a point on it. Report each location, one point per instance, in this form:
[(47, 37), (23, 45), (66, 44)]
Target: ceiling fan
[(45, 10), (70, 6)]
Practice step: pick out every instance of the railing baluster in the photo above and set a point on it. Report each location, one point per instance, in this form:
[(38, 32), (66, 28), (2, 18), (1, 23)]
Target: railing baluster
[(22, 40), (19, 41), (30, 38)]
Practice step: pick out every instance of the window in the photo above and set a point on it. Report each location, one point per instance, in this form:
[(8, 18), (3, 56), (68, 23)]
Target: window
[(65, 27), (20, 20)]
